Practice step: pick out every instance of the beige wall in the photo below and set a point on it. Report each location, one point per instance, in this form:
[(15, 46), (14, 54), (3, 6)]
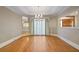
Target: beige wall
[(53, 24), (71, 34), (10, 24), (77, 19)]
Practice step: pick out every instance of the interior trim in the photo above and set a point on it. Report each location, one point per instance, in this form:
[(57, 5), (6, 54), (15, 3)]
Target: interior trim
[(9, 41), (69, 42)]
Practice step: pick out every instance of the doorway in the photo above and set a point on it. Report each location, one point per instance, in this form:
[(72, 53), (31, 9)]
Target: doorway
[(39, 26)]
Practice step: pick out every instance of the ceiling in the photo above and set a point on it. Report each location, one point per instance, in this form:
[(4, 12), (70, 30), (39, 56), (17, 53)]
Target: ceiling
[(32, 10)]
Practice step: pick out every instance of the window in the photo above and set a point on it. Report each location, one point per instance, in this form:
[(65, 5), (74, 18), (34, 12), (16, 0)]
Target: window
[(39, 26), (26, 24), (68, 21)]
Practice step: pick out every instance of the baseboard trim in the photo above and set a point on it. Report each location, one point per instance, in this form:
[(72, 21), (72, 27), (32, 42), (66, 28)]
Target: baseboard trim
[(69, 42), (9, 41)]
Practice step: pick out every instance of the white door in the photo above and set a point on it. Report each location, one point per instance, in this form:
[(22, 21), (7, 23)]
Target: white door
[(39, 26)]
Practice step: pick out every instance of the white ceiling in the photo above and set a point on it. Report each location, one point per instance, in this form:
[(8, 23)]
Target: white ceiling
[(32, 10)]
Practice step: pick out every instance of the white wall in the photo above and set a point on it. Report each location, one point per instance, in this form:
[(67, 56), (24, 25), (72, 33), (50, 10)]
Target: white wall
[(10, 24), (70, 34)]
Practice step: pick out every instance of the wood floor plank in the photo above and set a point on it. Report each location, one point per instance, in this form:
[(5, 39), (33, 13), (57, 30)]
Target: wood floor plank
[(38, 44)]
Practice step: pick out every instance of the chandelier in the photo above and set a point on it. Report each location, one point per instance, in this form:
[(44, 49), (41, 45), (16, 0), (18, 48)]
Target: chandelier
[(37, 12), (38, 15)]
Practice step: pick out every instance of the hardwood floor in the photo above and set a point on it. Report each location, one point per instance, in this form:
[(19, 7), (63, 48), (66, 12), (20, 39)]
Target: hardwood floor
[(38, 44)]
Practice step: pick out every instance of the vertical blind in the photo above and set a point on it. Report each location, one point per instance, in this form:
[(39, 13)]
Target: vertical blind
[(39, 26)]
